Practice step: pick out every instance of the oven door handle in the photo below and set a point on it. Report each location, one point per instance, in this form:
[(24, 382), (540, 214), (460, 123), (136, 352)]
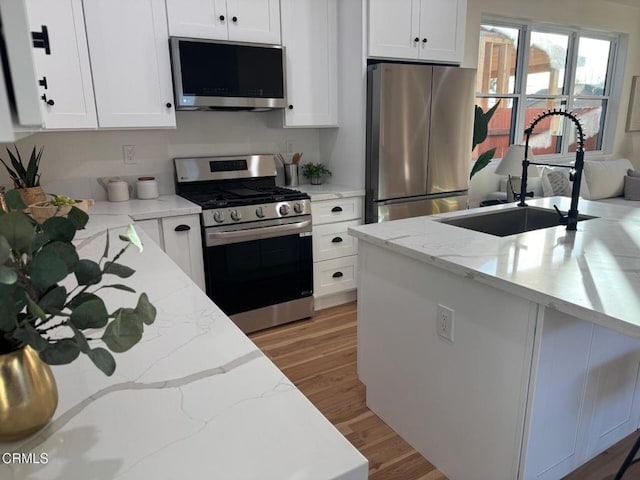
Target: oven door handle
[(213, 239)]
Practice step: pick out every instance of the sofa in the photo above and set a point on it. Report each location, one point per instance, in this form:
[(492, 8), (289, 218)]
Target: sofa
[(611, 181)]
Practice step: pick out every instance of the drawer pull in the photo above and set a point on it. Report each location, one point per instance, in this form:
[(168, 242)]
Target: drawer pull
[(336, 240), (337, 275), (182, 228), (336, 209)]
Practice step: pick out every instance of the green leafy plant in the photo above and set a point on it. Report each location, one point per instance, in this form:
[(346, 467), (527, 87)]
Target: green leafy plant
[(310, 170), (36, 310), (480, 132), (24, 177)]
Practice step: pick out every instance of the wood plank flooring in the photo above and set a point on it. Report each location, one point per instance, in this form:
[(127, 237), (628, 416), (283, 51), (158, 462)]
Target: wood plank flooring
[(319, 357)]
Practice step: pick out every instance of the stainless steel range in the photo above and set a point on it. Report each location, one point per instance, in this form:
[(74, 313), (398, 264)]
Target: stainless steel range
[(256, 238)]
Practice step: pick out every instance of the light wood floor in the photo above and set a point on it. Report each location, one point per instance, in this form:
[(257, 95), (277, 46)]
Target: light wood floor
[(319, 357)]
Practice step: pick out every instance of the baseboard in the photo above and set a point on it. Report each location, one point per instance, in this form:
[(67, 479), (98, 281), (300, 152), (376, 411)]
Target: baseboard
[(334, 299)]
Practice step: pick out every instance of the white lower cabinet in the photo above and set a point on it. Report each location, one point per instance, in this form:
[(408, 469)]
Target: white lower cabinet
[(335, 252), (180, 238)]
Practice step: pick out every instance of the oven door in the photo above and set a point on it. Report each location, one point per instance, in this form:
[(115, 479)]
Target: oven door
[(251, 268)]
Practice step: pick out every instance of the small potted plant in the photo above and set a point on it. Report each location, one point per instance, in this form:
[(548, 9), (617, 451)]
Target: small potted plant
[(315, 172), (49, 298), (26, 178)]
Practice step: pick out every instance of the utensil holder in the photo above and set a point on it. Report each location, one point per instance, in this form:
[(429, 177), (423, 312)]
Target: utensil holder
[(291, 174)]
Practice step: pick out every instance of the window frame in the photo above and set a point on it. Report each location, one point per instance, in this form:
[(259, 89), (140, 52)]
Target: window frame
[(519, 95)]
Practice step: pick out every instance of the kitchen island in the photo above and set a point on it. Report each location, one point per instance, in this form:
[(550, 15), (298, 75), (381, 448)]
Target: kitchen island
[(541, 372), (194, 399)]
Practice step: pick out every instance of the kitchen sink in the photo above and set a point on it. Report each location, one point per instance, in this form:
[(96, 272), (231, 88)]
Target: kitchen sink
[(510, 221)]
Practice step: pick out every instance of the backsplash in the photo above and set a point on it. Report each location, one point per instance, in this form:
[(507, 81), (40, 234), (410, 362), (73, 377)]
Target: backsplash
[(73, 160)]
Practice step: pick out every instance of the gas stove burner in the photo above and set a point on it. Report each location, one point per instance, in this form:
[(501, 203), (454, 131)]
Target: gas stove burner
[(238, 190)]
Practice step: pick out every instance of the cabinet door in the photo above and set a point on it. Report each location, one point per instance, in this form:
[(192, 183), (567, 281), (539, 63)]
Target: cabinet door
[(183, 243), (130, 62), (393, 28), (254, 21), (64, 73), (198, 18), (309, 35), (152, 228), (442, 25)]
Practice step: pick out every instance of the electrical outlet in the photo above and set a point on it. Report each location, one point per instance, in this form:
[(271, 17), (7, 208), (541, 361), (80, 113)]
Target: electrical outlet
[(445, 322), (129, 154), (289, 146)]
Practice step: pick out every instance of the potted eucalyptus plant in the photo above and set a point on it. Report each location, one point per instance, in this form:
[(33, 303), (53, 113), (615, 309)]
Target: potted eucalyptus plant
[(51, 311), (26, 177), (315, 172)]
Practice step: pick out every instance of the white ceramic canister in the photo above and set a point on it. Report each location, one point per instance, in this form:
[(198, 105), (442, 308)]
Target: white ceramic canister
[(117, 190), (147, 188)]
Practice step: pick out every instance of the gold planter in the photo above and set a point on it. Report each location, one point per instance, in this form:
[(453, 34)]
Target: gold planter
[(28, 394)]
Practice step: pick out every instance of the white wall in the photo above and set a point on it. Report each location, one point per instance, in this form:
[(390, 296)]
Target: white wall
[(344, 148), (91, 154)]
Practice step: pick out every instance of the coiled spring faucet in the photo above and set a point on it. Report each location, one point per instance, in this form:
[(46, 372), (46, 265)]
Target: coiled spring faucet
[(571, 218)]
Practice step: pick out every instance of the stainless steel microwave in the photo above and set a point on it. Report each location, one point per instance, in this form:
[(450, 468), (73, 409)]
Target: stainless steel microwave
[(218, 75)]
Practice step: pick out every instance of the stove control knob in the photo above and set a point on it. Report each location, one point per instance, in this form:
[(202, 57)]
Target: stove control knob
[(259, 212), (218, 217), (284, 209), (297, 207), (235, 215)]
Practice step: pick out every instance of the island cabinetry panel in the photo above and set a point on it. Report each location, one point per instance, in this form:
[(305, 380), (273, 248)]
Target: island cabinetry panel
[(335, 252), (256, 21), (585, 397), (179, 236), (310, 38), (461, 404), (424, 30), (64, 72)]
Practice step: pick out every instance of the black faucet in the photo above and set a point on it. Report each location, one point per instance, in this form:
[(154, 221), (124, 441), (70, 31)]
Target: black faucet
[(571, 218)]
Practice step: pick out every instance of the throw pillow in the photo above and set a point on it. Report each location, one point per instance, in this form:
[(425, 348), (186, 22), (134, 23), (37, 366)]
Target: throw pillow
[(633, 173), (632, 187), (605, 178), (560, 184)]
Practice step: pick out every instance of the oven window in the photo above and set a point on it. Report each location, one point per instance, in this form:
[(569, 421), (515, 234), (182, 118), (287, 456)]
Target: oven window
[(258, 273)]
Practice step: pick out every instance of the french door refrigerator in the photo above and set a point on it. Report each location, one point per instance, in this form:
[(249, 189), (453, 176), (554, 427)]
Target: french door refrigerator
[(419, 138)]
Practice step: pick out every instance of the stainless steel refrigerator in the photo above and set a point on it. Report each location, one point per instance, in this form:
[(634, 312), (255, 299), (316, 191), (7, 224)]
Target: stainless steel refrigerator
[(419, 138)]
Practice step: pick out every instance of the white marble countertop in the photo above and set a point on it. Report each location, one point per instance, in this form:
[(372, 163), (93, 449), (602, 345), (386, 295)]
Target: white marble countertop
[(328, 191), (592, 274), (163, 206), (194, 399)]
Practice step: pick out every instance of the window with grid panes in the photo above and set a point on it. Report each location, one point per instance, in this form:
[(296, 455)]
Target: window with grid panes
[(530, 69)]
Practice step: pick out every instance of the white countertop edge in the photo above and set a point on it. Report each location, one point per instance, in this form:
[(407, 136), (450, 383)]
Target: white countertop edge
[(163, 206), (328, 191), (523, 291)]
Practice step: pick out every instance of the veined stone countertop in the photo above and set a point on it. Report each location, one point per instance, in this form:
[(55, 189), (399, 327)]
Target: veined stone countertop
[(592, 274), (327, 191), (194, 399), (163, 206)]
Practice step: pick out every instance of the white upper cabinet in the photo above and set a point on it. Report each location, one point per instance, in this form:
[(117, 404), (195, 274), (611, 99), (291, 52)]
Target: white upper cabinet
[(309, 35), (428, 30), (256, 21), (64, 72), (130, 62)]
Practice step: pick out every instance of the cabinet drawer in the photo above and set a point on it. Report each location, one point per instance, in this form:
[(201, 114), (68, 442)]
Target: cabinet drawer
[(332, 276), (339, 210), (333, 241)]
